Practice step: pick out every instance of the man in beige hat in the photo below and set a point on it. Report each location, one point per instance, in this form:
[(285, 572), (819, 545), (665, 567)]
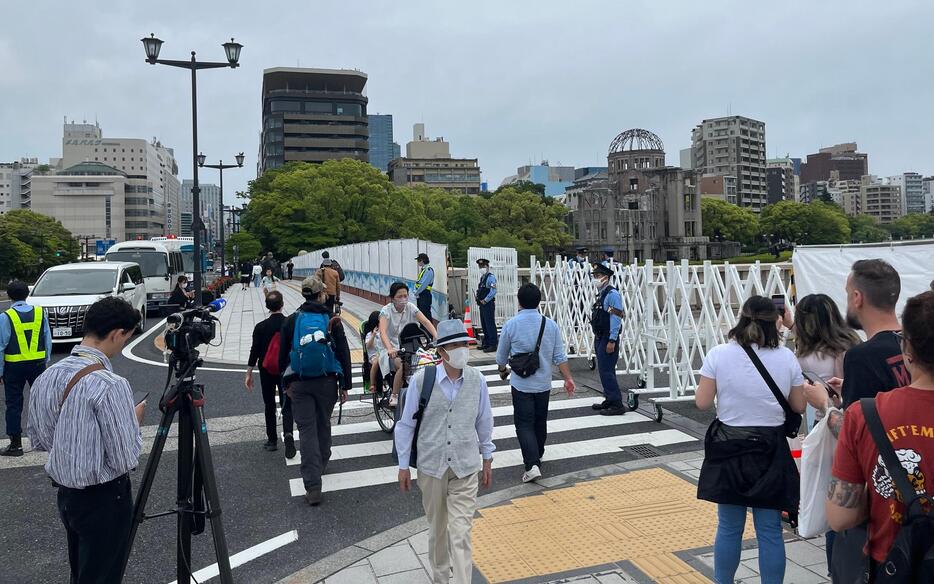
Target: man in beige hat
[(452, 430)]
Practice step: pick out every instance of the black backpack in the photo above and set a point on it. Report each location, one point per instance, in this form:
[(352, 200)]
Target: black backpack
[(911, 559)]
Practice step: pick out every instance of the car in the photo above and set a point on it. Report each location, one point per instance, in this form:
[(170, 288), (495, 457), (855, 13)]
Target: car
[(67, 291)]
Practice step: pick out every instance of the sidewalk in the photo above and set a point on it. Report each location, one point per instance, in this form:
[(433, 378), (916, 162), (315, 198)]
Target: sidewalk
[(628, 523)]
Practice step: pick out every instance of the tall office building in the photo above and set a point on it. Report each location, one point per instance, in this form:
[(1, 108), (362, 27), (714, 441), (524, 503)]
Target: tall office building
[(210, 210), (16, 184), (150, 168), (382, 148), (733, 146), (912, 187), (312, 115), (927, 188), (428, 162), (837, 162), (782, 182)]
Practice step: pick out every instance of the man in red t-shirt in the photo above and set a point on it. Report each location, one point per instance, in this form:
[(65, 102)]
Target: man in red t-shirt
[(906, 415)]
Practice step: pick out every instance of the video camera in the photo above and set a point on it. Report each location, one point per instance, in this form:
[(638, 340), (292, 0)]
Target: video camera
[(187, 329)]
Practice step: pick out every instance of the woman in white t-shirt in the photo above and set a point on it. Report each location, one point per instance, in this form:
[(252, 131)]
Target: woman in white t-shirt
[(743, 399), (392, 319)]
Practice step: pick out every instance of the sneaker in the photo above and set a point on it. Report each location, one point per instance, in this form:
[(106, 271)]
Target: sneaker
[(393, 400), (270, 446), (532, 474), (601, 406), (616, 409), (14, 449), (313, 497), (289, 447)]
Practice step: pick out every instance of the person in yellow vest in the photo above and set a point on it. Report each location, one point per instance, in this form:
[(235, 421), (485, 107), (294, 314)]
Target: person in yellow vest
[(26, 344)]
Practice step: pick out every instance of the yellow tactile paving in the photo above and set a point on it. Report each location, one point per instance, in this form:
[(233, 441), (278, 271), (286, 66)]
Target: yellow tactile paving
[(643, 516)]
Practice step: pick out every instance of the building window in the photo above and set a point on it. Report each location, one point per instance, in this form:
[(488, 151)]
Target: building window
[(633, 184), (285, 106)]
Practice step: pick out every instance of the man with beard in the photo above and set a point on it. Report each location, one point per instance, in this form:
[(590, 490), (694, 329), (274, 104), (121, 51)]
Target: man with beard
[(872, 290)]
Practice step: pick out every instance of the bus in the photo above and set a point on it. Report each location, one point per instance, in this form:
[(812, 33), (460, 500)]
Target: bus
[(160, 268), (185, 247)]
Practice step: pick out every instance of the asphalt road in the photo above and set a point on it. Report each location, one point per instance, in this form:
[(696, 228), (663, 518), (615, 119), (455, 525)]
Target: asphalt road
[(254, 486)]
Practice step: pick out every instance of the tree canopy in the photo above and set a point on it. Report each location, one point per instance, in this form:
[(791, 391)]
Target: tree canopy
[(731, 222), (805, 223), (30, 243), (863, 229), (248, 247), (311, 206)]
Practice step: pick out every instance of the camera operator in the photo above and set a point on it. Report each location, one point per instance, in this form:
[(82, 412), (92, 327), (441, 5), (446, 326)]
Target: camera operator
[(83, 414)]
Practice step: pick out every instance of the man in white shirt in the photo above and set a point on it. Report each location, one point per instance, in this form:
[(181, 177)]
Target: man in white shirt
[(453, 434)]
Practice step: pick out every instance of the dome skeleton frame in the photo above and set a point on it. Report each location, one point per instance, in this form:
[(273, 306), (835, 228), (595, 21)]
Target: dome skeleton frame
[(634, 140)]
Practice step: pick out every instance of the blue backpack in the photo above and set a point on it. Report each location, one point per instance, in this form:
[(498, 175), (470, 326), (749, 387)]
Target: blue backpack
[(315, 358)]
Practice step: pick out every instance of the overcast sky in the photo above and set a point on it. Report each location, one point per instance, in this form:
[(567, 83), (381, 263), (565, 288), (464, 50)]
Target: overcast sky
[(507, 81)]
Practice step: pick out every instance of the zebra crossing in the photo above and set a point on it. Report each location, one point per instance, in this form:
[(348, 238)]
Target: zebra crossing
[(361, 453)]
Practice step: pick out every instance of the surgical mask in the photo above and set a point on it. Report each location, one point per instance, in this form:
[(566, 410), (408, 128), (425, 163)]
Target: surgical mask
[(602, 282), (400, 303), (485, 270), (457, 358)]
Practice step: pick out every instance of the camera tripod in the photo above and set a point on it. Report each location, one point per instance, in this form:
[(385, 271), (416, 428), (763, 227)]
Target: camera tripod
[(197, 485)]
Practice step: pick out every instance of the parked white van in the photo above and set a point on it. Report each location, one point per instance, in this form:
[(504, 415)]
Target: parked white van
[(160, 268), (67, 291)]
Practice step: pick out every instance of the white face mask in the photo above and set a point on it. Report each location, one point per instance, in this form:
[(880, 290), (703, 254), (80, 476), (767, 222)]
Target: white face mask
[(601, 282), (485, 270), (457, 358)]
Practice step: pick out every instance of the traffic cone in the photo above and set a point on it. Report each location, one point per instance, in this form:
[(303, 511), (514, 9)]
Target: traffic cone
[(467, 323)]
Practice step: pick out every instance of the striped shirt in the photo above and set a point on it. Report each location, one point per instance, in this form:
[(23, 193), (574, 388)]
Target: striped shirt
[(94, 437)]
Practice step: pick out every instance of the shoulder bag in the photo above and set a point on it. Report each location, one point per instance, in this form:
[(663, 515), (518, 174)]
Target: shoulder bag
[(526, 364), (792, 418)]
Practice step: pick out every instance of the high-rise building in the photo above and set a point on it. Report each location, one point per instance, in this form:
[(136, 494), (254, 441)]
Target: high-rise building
[(428, 162), (210, 210), (912, 187), (843, 159), (555, 179), (16, 184), (150, 168), (640, 208), (880, 200), (781, 180), (734, 146), (312, 115), (718, 186), (382, 148), (927, 188)]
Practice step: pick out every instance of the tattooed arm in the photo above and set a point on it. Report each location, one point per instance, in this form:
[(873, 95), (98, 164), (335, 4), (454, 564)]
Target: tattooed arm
[(846, 504), (835, 421)]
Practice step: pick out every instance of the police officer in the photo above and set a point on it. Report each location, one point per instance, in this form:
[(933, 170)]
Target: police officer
[(486, 298), (423, 284), (26, 344), (580, 258), (606, 321), (608, 260)]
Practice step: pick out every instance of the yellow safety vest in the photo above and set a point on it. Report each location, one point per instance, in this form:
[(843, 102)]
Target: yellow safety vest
[(422, 273), (27, 351)]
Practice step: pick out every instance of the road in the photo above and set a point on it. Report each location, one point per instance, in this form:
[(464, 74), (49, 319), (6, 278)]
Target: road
[(260, 491)]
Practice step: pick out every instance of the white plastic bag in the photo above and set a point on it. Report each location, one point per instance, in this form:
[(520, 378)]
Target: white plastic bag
[(816, 461)]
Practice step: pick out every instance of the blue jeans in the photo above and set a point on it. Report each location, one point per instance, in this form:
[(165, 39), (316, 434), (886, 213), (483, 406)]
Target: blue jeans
[(731, 520), (606, 367)]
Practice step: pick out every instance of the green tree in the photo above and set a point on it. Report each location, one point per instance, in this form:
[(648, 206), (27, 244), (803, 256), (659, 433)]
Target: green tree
[(913, 226), (248, 247), (49, 243), (805, 223), (729, 221), (863, 229)]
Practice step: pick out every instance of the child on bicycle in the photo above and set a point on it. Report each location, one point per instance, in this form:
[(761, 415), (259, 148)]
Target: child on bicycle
[(371, 347)]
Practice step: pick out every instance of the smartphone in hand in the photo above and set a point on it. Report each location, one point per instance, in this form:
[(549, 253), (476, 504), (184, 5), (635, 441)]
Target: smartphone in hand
[(818, 380), (779, 301)]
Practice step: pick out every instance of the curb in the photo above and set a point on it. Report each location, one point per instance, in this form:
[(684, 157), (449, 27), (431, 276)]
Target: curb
[(330, 565)]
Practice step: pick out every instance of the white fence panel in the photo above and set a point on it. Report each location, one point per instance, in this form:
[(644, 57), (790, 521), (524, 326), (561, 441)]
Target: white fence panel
[(504, 264)]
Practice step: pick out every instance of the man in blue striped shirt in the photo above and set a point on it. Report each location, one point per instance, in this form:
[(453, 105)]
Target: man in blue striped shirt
[(530, 394), (83, 414)]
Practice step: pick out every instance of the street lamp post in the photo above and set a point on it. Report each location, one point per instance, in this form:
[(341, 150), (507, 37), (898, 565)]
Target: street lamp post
[(221, 166), (232, 49)]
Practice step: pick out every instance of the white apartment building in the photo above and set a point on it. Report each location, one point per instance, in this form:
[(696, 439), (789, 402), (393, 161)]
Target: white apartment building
[(912, 187), (734, 146)]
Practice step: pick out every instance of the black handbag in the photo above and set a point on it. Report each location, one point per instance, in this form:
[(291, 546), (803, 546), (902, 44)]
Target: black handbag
[(792, 418), (526, 364)]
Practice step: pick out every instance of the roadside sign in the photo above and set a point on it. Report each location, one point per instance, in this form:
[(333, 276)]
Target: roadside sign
[(103, 245)]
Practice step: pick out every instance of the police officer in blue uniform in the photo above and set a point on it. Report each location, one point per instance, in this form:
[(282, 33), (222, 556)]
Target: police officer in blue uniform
[(606, 319), (26, 344), (486, 299), (423, 285), (580, 258), (608, 260)]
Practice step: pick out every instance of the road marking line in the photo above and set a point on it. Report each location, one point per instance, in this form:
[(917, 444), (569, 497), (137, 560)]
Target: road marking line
[(504, 432), (389, 474), (247, 555)]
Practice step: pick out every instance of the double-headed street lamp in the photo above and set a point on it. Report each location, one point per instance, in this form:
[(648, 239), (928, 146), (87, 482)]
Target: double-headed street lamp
[(221, 166), (232, 49)]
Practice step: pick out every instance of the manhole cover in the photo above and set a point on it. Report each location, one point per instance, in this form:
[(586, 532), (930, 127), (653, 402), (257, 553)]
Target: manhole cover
[(643, 451)]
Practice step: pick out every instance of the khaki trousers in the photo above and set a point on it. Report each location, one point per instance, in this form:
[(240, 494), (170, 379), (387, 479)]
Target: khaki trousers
[(449, 504)]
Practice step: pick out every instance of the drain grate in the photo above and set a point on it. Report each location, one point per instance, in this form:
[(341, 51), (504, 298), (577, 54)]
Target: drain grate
[(642, 451)]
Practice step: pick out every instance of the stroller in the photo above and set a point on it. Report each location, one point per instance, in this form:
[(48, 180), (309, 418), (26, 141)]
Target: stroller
[(416, 352)]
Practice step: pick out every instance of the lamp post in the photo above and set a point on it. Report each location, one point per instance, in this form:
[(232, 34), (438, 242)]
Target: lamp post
[(152, 45), (221, 166)]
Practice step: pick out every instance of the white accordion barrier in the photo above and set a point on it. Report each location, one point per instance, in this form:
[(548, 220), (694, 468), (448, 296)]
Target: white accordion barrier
[(674, 314), (505, 266), (373, 266)]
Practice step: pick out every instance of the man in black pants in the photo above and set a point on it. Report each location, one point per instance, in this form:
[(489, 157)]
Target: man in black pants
[(270, 380), (314, 397)]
